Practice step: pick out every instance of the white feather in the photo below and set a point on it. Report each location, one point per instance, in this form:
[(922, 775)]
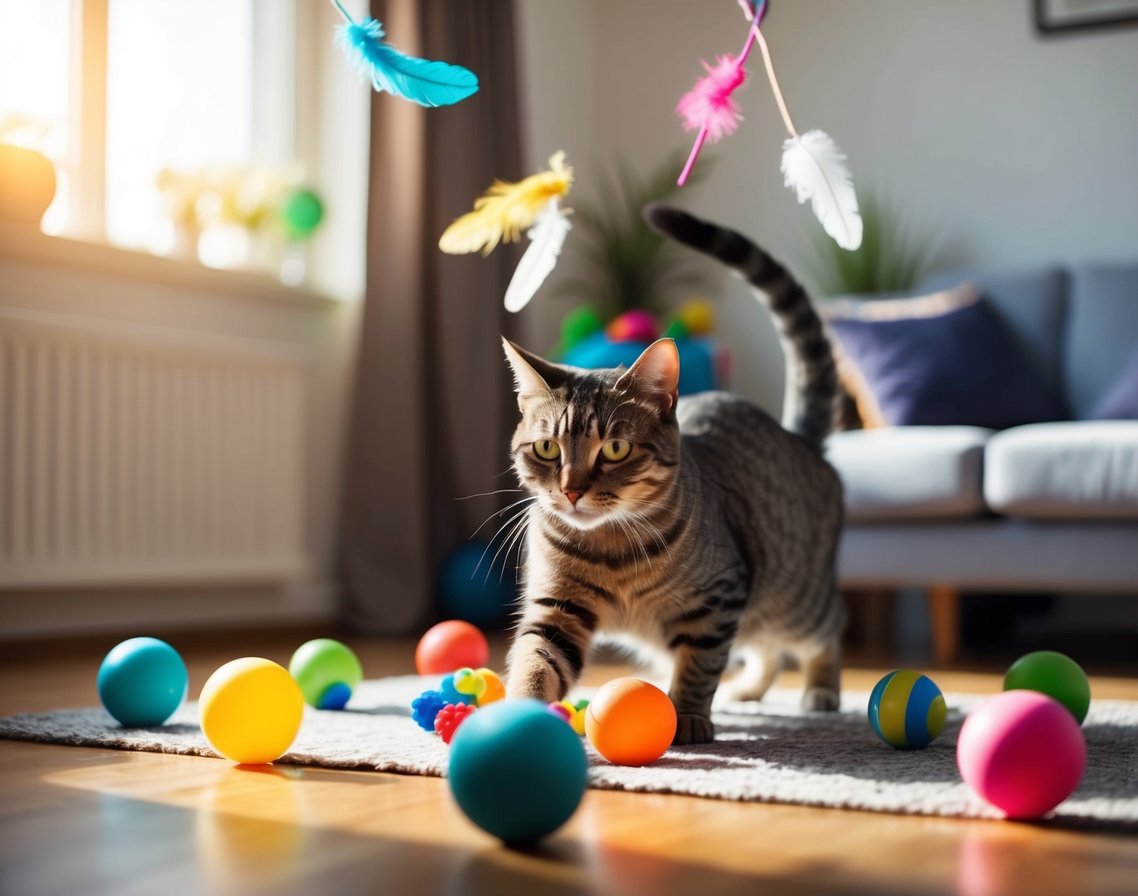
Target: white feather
[(815, 168), (547, 236)]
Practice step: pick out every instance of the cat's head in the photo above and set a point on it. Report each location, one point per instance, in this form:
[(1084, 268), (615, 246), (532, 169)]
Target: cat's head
[(597, 446)]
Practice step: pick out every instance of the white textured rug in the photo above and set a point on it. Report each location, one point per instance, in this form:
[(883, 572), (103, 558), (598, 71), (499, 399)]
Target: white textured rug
[(768, 752)]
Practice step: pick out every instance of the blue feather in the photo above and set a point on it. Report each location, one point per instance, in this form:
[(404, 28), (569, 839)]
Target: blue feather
[(422, 81)]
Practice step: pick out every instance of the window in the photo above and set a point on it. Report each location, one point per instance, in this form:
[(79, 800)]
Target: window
[(175, 125)]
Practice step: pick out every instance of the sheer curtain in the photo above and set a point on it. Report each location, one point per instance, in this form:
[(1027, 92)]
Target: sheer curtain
[(432, 409)]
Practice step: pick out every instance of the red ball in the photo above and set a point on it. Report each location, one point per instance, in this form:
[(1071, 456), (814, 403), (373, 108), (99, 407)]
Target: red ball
[(1022, 752), (451, 645)]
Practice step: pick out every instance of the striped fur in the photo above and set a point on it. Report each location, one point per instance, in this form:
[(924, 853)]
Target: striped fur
[(716, 533)]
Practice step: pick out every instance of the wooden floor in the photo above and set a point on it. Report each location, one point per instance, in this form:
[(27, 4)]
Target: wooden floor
[(101, 821)]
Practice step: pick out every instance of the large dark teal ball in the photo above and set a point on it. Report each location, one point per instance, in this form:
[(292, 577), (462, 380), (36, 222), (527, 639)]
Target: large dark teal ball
[(517, 770), (474, 586)]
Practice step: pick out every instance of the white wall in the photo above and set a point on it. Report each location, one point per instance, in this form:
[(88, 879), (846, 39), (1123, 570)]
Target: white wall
[(1018, 149)]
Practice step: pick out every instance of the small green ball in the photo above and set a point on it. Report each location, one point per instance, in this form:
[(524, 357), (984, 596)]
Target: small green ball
[(327, 672), (578, 325), (301, 213), (677, 329), (1054, 674)]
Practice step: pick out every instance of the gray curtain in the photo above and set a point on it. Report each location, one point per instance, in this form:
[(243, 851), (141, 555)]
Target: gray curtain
[(432, 409)]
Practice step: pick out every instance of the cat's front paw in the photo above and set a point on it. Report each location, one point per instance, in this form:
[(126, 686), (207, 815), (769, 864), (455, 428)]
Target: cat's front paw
[(693, 729), (820, 700)]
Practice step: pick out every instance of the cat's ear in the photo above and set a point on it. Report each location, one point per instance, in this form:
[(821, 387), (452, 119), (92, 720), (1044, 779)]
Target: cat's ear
[(534, 377), (656, 374)]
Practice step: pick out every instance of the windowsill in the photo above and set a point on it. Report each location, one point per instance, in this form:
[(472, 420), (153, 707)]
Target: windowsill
[(19, 242)]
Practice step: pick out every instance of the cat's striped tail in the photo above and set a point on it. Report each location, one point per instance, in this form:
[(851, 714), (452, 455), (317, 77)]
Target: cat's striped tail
[(812, 378)]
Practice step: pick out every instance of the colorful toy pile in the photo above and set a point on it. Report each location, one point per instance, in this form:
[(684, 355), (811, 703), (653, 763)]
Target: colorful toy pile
[(458, 695)]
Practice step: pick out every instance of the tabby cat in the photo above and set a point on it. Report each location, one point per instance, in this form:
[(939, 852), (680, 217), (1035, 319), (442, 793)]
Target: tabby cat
[(697, 526)]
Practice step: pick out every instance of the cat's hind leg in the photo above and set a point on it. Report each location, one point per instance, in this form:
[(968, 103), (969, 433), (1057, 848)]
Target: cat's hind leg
[(822, 669), (761, 666)]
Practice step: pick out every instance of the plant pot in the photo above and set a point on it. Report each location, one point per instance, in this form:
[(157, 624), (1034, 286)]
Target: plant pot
[(27, 184)]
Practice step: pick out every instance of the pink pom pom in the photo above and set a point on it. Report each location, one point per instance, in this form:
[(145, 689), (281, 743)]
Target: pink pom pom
[(708, 105)]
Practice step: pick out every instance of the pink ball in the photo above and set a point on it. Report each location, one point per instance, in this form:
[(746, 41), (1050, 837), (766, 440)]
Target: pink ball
[(1022, 752), (636, 325)]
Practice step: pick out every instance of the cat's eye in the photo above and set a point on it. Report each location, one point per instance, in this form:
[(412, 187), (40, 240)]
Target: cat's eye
[(547, 449), (615, 450)]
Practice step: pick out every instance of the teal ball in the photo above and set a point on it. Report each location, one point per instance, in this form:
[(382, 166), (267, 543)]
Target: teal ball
[(142, 681), (517, 770), (907, 710), (1054, 674)]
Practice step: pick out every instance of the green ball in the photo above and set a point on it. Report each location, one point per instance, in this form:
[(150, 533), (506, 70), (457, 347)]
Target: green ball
[(677, 329), (1054, 674), (327, 672), (578, 325), (301, 212)]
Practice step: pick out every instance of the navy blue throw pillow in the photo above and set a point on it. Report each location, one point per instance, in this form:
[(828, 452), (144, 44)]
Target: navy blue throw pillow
[(1121, 401), (959, 368)]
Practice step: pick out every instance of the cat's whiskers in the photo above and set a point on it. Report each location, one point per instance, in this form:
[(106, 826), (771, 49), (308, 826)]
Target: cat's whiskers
[(500, 491), (528, 499), (642, 523), (511, 523)]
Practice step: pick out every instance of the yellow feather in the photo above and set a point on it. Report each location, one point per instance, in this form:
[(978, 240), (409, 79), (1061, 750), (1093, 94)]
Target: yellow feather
[(506, 210)]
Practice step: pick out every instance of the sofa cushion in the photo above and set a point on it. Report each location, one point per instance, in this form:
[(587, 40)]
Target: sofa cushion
[(1081, 470), (912, 472), (1101, 332), (1121, 401), (962, 367)]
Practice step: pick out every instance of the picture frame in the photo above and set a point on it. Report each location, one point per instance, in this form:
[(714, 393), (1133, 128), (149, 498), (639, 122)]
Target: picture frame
[(1058, 16)]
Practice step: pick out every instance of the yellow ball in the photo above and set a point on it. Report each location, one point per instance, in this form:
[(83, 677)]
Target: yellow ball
[(250, 710), (698, 316)]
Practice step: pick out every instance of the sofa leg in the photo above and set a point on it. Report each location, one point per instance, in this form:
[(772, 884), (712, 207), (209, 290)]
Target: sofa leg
[(944, 622)]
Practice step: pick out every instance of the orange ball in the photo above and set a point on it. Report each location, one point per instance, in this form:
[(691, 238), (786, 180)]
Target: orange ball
[(449, 646), (630, 722)]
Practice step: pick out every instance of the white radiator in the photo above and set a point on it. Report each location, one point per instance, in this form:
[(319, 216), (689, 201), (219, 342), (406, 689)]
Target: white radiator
[(134, 455)]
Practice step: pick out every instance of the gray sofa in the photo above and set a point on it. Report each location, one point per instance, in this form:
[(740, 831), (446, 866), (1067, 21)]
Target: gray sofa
[(1043, 507)]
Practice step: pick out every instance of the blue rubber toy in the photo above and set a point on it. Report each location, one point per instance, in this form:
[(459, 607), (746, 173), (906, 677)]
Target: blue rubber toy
[(142, 681), (425, 707), (517, 770), (451, 694)]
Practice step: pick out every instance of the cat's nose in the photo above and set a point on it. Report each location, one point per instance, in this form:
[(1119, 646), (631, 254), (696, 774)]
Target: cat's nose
[(573, 497)]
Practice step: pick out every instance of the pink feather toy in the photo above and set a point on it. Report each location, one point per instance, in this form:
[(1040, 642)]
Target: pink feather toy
[(812, 164)]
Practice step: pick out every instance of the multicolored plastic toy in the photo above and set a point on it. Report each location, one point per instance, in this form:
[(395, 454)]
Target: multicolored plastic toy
[(516, 770), (572, 713), (907, 710), (327, 672), (630, 722), (1054, 674), (142, 681), (1023, 752), (451, 645), (250, 710), (464, 687)]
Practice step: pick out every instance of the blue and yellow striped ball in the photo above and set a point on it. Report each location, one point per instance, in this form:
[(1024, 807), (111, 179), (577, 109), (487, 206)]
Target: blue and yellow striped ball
[(907, 710)]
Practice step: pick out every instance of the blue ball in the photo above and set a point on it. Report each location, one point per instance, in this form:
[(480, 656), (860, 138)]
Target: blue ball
[(142, 681), (907, 710), (517, 770), (473, 586)]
